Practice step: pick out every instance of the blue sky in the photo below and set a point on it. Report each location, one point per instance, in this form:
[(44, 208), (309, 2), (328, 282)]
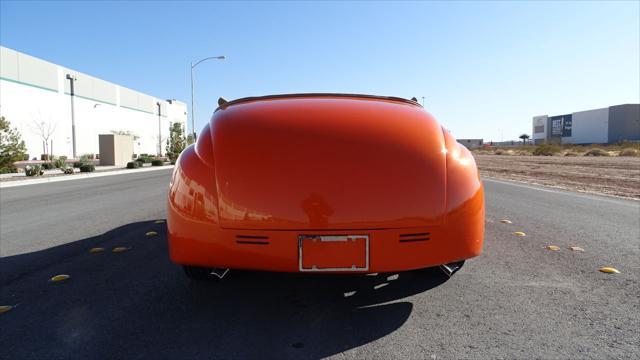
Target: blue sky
[(484, 68)]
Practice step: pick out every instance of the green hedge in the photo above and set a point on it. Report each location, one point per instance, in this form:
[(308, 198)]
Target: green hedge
[(87, 168), (157, 162), (133, 164), (8, 170)]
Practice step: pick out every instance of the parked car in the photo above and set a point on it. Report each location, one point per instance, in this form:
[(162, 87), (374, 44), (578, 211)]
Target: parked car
[(324, 183)]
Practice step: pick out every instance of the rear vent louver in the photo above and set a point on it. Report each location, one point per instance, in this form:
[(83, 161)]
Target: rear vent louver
[(405, 238), (252, 239)]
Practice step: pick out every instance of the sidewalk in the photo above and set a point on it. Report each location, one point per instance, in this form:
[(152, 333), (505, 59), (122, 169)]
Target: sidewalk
[(55, 175), (51, 172)]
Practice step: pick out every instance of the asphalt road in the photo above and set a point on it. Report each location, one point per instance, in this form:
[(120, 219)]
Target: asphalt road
[(37, 217), (517, 300)]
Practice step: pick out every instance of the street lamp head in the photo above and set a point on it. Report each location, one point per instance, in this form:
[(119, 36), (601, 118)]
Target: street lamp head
[(221, 57)]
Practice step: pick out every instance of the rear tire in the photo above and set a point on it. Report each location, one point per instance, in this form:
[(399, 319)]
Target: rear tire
[(197, 273)]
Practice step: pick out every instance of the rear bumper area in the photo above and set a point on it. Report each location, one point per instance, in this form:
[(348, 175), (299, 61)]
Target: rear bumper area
[(206, 244)]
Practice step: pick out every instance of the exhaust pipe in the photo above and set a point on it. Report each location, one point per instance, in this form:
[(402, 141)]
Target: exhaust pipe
[(451, 268), (220, 273)]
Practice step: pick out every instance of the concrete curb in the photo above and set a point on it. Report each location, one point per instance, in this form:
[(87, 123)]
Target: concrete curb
[(79, 176)]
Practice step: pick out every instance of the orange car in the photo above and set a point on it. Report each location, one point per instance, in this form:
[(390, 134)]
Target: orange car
[(324, 183)]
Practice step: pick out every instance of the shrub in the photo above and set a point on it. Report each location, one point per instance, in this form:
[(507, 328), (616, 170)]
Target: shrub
[(157, 162), (176, 141), (546, 150), (48, 166), (33, 170), (498, 152), (86, 158), (77, 164), (628, 144), (596, 152), (133, 164), (629, 152), (571, 153), (8, 170), (144, 159), (87, 168), (60, 162), (12, 147), (25, 157)]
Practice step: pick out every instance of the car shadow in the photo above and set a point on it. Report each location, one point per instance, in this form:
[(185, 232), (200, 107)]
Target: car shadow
[(137, 304)]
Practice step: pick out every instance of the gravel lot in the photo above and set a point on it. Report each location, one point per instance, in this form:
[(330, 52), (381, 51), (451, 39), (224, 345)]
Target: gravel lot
[(618, 176)]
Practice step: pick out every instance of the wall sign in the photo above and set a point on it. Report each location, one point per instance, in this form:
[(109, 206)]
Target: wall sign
[(567, 124)]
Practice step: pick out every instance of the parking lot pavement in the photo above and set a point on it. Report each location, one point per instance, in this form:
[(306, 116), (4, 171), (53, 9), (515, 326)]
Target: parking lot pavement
[(36, 217), (136, 304), (517, 300)]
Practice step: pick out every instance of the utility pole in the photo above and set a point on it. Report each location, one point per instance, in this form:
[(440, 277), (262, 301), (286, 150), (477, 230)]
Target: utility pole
[(73, 79), (159, 129)]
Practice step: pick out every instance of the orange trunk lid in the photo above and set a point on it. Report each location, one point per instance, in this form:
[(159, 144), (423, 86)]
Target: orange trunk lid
[(314, 163)]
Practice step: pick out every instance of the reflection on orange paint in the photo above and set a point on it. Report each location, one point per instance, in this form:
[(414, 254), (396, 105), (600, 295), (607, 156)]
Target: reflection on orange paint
[(324, 164)]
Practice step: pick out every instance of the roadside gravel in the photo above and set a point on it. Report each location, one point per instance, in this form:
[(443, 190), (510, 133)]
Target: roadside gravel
[(617, 176)]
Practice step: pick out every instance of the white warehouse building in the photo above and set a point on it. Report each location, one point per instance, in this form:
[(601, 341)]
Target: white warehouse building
[(35, 93), (608, 125)]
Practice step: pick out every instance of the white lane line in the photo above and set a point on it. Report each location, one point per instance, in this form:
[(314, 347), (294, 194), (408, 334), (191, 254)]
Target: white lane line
[(79, 176), (596, 196)]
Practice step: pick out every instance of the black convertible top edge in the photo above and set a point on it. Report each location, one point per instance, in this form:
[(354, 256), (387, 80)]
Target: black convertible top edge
[(299, 95)]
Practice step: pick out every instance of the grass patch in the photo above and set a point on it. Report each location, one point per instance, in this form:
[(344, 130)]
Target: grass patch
[(596, 152), (629, 152), (546, 150)]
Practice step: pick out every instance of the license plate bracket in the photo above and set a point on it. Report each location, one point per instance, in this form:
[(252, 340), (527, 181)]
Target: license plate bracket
[(333, 253)]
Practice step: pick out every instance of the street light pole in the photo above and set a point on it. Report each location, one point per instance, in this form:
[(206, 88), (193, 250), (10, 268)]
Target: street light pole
[(73, 79), (193, 112), (193, 119)]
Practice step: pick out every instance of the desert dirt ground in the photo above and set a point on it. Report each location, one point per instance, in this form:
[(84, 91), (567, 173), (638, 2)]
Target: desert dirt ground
[(617, 176)]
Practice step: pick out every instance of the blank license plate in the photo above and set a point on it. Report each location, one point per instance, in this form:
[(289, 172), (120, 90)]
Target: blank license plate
[(333, 252)]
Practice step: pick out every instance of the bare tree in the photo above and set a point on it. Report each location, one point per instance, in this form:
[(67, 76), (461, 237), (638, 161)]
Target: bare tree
[(44, 129), (159, 141), (125, 132)]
